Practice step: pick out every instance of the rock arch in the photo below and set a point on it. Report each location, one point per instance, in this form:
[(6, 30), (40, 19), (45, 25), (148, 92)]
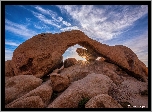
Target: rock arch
[(46, 51)]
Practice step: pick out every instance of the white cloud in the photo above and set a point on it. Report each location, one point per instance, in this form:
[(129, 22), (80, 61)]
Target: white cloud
[(96, 23), (139, 45), (60, 18), (71, 51), (42, 18), (66, 23), (69, 28), (8, 54), (19, 29), (11, 43), (39, 25), (54, 18), (45, 11)]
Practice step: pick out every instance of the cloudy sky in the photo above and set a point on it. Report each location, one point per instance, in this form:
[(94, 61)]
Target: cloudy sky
[(109, 24)]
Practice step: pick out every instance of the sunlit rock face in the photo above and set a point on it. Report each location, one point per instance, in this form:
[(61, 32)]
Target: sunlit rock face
[(41, 53), (88, 55)]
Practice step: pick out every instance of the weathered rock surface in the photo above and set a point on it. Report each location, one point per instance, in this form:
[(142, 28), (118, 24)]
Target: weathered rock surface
[(88, 87), (102, 101), (130, 91), (59, 82), (28, 102), (69, 62), (88, 55), (8, 69), (44, 92), (18, 86), (38, 55), (80, 71)]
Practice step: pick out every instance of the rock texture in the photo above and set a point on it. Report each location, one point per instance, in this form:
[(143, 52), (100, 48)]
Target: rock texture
[(79, 71), (38, 55), (112, 76), (28, 102), (59, 82), (8, 69), (102, 101), (43, 92), (89, 87), (69, 62), (88, 55), (18, 86)]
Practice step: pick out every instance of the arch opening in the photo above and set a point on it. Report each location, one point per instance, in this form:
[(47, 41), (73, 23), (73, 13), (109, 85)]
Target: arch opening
[(71, 53)]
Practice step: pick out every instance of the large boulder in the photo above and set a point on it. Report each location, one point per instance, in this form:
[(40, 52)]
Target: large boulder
[(44, 92), (102, 101), (28, 102), (18, 86), (79, 71), (42, 52), (69, 62), (8, 69), (88, 87)]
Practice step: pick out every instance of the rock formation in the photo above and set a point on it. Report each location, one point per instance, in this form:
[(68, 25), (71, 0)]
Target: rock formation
[(8, 69), (28, 102), (88, 55), (17, 86), (59, 82), (102, 101), (36, 77), (69, 62), (44, 92), (40, 54), (88, 87)]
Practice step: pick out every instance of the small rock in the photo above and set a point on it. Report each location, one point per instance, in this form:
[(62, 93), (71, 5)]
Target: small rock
[(69, 62), (59, 82), (8, 69)]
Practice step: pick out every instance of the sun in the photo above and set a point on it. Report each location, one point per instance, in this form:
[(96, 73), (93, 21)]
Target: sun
[(84, 57)]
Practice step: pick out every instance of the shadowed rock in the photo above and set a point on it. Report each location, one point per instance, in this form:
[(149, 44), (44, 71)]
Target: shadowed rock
[(69, 62), (8, 69)]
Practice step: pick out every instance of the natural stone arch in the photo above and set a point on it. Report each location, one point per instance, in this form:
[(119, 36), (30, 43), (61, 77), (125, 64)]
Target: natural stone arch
[(46, 50)]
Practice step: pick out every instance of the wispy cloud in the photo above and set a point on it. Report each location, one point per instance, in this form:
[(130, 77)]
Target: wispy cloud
[(66, 23), (70, 28), (19, 29), (8, 54), (11, 43), (42, 18), (54, 18), (140, 48), (97, 23), (53, 15)]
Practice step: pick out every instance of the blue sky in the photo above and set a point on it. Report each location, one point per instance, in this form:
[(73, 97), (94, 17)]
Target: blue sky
[(109, 24)]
